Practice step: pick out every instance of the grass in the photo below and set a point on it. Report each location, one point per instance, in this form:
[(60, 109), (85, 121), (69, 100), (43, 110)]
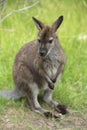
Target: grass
[(19, 28)]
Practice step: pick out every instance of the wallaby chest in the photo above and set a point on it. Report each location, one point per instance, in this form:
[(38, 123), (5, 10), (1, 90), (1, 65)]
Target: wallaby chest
[(51, 64)]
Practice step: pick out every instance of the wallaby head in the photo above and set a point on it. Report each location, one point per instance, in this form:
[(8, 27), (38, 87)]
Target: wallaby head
[(47, 35)]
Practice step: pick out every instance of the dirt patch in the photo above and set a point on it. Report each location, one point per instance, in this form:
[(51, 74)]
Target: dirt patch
[(26, 120)]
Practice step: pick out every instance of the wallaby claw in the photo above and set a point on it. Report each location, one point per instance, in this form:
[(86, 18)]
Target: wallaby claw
[(61, 109), (51, 115), (54, 80), (56, 116), (51, 85), (48, 114)]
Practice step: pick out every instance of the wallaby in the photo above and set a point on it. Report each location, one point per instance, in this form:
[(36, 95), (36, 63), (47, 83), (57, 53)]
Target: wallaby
[(38, 66)]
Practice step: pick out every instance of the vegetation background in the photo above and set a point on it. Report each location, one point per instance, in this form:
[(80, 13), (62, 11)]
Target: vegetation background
[(18, 29)]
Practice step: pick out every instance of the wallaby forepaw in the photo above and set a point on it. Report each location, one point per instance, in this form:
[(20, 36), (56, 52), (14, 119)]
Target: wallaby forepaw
[(61, 109), (53, 80), (51, 85)]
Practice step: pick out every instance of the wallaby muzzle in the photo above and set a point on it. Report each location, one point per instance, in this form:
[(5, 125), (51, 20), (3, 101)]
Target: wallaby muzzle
[(42, 50)]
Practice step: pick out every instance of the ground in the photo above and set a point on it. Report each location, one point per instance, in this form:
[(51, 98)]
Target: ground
[(18, 29), (15, 119)]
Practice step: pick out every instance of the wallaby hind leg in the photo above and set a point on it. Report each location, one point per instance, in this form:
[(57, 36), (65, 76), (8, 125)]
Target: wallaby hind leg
[(31, 92), (48, 99)]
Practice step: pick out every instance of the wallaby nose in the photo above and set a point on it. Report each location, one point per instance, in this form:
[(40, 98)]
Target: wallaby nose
[(42, 52)]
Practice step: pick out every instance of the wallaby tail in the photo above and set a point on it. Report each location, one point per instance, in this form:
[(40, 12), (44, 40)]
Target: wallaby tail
[(14, 94)]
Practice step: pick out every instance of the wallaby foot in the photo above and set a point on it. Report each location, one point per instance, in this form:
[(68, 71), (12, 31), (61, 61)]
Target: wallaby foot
[(51, 115), (43, 112), (60, 108), (46, 113), (31, 94)]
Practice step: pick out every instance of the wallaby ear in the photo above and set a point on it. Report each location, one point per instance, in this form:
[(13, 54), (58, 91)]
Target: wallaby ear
[(38, 24), (57, 23)]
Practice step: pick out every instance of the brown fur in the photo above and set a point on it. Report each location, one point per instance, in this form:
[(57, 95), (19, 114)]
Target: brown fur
[(38, 65)]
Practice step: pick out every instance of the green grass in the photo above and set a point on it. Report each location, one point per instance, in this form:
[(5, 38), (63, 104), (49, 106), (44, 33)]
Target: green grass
[(19, 28)]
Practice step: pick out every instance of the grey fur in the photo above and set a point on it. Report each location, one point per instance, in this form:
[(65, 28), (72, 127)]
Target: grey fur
[(14, 94), (37, 66)]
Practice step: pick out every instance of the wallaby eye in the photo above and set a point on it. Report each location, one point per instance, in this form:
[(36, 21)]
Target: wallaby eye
[(39, 40), (50, 40)]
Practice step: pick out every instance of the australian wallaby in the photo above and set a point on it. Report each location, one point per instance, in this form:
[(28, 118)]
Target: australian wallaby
[(38, 66)]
